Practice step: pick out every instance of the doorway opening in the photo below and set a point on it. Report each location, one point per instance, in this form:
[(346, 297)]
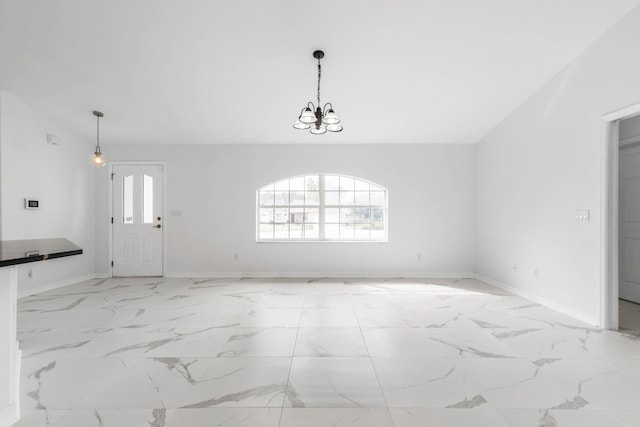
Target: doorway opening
[(137, 219), (621, 217)]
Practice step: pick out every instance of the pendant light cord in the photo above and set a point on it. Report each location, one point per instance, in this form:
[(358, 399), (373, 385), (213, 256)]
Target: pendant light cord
[(97, 134)]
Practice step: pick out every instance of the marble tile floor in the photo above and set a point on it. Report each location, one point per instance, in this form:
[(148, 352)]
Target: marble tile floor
[(274, 352)]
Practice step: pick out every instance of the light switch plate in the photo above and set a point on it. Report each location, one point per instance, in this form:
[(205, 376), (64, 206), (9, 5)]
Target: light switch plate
[(583, 216)]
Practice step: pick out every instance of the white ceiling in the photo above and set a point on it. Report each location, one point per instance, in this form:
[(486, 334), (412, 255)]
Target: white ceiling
[(239, 71)]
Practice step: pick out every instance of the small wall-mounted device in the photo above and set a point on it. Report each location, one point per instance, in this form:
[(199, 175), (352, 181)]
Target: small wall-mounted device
[(53, 139), (31, 204)]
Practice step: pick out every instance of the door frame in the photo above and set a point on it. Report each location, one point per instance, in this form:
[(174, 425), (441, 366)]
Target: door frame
[(609, 257), (164, 206)]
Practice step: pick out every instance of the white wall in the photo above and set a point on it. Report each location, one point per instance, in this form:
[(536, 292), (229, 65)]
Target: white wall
[(543, 163), (60, 176), (431, 208)]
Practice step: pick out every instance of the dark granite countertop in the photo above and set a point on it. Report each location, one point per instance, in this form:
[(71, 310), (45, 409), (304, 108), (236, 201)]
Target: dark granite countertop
[(13, 252)]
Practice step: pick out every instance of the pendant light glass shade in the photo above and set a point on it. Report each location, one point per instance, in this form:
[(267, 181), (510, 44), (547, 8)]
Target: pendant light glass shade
[(318, 122), (97, 159)]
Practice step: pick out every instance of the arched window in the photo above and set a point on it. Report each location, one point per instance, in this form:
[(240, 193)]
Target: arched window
[(322, 207)]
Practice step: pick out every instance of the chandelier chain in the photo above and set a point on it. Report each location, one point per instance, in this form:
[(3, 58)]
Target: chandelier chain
[(319, 75)]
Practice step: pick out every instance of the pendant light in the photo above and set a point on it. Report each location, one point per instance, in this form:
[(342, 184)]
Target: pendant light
[(97, 158), (315, 119)]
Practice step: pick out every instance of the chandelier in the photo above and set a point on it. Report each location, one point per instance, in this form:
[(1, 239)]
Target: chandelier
[(312, 117)]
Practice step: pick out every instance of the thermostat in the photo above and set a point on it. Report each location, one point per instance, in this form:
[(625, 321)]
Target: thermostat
[(31, 204)]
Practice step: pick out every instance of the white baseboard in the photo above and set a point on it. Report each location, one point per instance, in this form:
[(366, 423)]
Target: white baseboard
[(594, 321), (51, 286), (315, 274), (629, 292), (9, 415)]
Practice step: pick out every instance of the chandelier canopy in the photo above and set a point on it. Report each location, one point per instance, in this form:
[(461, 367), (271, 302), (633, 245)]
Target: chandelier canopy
[(318, 120)]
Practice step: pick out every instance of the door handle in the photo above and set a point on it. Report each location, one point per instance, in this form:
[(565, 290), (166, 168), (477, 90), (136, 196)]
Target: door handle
[(157, 226)]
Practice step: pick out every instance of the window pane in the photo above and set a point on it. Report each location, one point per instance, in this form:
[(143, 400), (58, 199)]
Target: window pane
[(376, 226), (281, 215), (331, 231), (296, 198), (295, 231), (312, 215), (347, 183), (332, 215), (312, 183), (311, 231), (281, 231), (127, 199), (347, 198), (346, 216), (282, 198), (296, 215), (282, 185), (312, 198), (362, 185), (377, 198), (147, 199), (376, 215), (266, 231), (347, 232), (296, 184), (362, 232), (362, 215), (266, 216), (331, 198), (362, 198), (352, 209), (376, 235), (331, 182), (266, 198)]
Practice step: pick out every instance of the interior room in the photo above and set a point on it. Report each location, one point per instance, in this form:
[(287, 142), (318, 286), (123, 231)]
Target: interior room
[(417, 213)]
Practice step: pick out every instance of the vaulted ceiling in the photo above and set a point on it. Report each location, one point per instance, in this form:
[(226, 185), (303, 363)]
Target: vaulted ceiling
[(239, 71)]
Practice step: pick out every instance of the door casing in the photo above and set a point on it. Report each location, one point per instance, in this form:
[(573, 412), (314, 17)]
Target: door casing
[(610, 206)]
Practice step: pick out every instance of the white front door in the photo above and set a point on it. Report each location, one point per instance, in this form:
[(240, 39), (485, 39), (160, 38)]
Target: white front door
[(137, 219), (629, 248)]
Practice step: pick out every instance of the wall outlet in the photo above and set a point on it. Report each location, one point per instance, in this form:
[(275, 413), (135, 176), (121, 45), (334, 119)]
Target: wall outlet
[(235, 257), (536, 273), (30, 273)]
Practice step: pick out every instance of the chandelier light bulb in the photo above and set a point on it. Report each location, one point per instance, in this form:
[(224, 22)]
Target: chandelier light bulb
[(307, 116), (330, 118)]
